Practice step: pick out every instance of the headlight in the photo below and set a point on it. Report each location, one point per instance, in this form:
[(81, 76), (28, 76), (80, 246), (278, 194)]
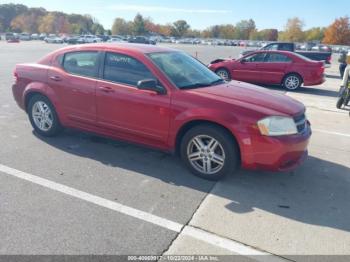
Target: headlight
[(277, 126)]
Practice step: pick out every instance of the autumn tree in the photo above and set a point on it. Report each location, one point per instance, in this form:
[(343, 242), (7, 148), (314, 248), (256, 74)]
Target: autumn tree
[(28, 21), (338, 32), (165, 29), (293, 30)]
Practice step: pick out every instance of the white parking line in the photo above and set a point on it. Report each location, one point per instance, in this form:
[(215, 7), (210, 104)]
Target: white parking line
[(330, 132), (162, 222), (196, 233)]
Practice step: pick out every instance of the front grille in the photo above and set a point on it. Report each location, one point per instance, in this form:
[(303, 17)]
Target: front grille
[(300, 122)]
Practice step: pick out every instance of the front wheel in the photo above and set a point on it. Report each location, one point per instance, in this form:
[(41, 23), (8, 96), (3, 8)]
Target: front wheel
[(43, 116), (223, 73), (344, 96), (292, 82), (209, 152)]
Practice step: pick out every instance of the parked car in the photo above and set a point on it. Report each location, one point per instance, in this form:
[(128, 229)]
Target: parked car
[(116, 39), (166, 99), (141, 40), (325, 56), (24, 37), (284, 68), (72, 40), (54, 40), (42, 36), (34, 37), (86, 39), (11, 36)]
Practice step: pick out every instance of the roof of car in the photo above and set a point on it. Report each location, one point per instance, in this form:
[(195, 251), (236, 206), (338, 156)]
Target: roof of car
[(139, 48)]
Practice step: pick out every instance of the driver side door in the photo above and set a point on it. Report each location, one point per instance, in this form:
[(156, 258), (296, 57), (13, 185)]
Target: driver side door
[(130, 112)]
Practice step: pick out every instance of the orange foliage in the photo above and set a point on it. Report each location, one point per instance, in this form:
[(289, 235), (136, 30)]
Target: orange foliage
[(338, 33)]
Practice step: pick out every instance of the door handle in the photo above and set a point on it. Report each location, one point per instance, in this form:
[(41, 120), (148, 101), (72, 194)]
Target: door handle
[(106, 89), (55, 78)]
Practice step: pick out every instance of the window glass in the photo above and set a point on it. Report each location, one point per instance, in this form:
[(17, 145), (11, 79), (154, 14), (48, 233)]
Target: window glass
[(81, 63), (278, 58), (183, 70), (272, 47), (256, 58), (285, 47), (125, 69)]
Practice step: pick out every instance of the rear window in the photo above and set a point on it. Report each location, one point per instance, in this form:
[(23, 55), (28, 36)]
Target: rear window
[(81, 63)]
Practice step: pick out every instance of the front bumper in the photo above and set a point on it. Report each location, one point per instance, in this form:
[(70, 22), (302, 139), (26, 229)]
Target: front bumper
[(275, 153)]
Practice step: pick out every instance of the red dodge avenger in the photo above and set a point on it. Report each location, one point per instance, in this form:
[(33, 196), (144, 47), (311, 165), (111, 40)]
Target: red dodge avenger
[(284, 68), (165, 99)]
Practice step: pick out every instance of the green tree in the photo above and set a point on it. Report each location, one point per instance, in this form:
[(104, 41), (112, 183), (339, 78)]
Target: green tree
[(139, 25), (180, 28), (314, 34), (97, 29), (8, 12), (244, 28), (120, 27)]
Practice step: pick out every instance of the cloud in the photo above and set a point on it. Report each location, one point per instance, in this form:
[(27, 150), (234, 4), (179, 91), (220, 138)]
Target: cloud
[(146, 8)]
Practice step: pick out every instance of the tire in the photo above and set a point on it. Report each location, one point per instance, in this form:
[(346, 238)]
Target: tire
[(224, 74), (292, 82), (340, 102), (342, 97), (40, 107), (223, 156)]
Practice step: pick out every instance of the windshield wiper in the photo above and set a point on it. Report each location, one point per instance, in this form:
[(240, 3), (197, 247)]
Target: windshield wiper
[(195, 85), (218, 81)]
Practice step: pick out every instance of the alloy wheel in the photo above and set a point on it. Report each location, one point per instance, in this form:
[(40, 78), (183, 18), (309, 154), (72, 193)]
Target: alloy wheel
[(42, 116), (223, 74), (206, 154), (292, 82)]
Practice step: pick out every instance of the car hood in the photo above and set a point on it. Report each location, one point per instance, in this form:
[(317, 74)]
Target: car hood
[(253, 95)]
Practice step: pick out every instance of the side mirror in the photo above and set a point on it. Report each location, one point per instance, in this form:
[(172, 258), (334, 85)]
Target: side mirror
[(243, 60), (152, 85)]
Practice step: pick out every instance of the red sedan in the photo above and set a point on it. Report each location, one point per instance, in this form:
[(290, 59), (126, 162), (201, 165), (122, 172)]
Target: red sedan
[(165, 99), (284, 68)]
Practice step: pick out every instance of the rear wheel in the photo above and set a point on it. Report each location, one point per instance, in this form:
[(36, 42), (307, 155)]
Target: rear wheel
[(223, 73), (209, 152), (292, 82), (43, 116)]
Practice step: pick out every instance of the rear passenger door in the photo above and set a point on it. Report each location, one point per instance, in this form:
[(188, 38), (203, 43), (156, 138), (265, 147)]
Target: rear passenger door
[(74, 82), (274, 68)]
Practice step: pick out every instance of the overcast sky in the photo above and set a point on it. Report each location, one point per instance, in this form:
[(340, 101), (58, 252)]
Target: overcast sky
[(203, 13)]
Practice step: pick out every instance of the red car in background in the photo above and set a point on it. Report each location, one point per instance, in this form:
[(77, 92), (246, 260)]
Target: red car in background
[(165, 99), (284, 68)]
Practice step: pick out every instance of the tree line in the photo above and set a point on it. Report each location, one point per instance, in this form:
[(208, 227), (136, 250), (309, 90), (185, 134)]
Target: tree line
[(20, 18)]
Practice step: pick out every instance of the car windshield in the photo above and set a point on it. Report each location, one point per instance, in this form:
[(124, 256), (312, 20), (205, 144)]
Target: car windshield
[(184, 71)]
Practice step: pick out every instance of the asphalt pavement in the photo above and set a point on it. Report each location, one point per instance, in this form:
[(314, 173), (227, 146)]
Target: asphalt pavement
[(79, 194)]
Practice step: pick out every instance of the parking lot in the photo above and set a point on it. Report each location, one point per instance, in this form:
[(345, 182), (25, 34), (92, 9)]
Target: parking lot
[(80, 194)]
